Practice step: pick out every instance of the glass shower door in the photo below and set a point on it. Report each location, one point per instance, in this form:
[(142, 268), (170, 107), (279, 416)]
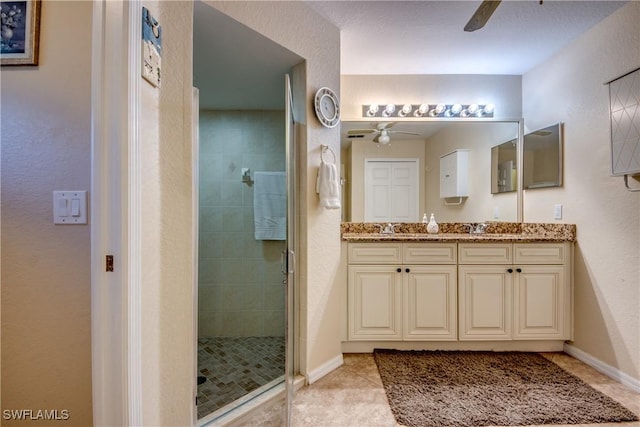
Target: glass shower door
[(289, 253)]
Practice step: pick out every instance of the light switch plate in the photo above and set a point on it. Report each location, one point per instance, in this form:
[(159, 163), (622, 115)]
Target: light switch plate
[(557, 211), (70, 207)]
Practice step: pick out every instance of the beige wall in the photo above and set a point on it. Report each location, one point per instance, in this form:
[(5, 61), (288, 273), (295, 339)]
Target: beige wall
[(167, 252), (569, 87), (481, 205), (46, 146), (320, 284)]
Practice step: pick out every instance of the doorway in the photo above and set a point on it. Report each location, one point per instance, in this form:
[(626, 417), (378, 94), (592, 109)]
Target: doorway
[(243, 132), (391, 190)]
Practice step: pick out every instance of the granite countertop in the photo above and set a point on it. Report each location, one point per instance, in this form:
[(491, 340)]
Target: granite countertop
[(455, 232)]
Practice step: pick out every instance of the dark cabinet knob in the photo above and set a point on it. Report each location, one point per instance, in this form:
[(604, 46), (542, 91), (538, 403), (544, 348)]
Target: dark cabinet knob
[(407, 270), (510, 270), (399, 270), (519, 270)]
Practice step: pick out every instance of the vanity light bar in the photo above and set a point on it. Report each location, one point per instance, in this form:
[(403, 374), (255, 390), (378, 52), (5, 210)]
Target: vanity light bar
[(429, 110)]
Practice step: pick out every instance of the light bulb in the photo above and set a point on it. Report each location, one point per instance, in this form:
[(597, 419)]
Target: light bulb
[(422, 110), (456, 108), (489, 108), (388, 110), (440, 109), (472, 108), (384, 139), (406, 109), (373, 110)]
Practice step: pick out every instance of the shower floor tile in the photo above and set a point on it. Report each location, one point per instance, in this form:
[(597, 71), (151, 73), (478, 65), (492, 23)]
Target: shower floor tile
[(234, 367)]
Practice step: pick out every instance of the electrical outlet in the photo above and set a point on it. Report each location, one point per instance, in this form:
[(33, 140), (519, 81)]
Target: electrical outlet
[(496, 212), (557, 211)]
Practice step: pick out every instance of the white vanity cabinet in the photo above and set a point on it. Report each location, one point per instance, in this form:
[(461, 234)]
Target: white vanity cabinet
[(402, 291), (518, 291)]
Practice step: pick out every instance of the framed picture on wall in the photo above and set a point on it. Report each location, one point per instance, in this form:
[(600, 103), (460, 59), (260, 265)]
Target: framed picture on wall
[(19, 32)]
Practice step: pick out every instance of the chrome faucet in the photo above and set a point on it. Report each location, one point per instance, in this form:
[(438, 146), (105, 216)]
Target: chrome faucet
[(477, 228), (387, 229)]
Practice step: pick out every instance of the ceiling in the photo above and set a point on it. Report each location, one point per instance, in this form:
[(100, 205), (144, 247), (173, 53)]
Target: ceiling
[(427, 37), (237, 68)]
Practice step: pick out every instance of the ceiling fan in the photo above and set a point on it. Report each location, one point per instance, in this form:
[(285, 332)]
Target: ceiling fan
[(381, 132), (482, 15)]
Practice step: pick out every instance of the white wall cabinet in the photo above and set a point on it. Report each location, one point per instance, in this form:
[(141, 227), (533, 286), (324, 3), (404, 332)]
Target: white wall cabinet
[(459, 292), (454, 174)]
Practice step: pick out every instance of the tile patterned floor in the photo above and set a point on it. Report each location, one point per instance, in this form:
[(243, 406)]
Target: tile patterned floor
[(235, 366), (353, 396)]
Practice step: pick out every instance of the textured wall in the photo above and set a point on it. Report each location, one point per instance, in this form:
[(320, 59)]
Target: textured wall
[(46, 146), (569, 87), (167, 253), (240, 290)]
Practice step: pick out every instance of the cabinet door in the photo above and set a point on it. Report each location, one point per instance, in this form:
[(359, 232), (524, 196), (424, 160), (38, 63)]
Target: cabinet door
[(375, 302), (485, 302), (430, 303), (539, 295)]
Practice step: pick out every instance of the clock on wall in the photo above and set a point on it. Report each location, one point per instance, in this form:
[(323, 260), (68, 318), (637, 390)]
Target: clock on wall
[(327, 107)]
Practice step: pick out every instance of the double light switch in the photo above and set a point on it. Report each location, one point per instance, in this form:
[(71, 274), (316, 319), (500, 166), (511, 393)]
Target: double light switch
[(69, 207)]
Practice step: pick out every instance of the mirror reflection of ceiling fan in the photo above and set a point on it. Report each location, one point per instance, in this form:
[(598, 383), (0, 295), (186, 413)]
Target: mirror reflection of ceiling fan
[(482, 15), (382, 133)]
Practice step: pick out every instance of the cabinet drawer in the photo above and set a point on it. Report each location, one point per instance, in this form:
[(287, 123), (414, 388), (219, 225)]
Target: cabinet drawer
[(485, 253), (539, 253), (375, 253), (429, 253)]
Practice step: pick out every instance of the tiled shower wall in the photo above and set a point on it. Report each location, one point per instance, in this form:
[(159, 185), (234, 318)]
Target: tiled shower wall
[(240, 291)]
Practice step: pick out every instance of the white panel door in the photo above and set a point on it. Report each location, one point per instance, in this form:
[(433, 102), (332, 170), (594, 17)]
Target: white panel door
[(484, 296), (375, 302), (539, 302), (430, 302), (391, 191)]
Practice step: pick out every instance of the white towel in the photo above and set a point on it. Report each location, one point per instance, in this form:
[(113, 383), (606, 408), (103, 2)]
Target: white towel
[(270, 205), (327, 186)]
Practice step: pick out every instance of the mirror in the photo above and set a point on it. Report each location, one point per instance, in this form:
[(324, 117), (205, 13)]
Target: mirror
[(504, 172), (542, 158), (435, 139)]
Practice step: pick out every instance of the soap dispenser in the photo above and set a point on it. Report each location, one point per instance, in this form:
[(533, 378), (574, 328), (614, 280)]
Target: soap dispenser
[(425, 220), (432, 226)]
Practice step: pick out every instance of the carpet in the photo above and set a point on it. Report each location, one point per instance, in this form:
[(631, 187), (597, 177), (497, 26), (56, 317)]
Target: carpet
[(466, 388)]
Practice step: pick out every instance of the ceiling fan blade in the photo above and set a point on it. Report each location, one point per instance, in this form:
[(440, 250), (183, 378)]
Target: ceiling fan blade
[(386, 125), (376, 138), (482, 15), (360, 131), (406, 133)]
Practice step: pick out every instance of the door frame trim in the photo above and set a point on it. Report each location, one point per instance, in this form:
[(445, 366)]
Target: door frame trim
[(116, 309)]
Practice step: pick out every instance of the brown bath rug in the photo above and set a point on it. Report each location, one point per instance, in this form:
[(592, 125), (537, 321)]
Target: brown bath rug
[(465, 388)]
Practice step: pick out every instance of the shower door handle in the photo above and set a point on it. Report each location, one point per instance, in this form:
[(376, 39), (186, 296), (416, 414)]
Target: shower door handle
[(287, 262)]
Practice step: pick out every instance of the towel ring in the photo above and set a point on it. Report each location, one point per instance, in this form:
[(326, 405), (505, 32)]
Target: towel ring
[(324, 149)]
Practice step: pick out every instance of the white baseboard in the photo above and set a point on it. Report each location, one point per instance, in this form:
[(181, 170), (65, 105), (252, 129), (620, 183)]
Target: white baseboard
[(600, 366), (324, 369)]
